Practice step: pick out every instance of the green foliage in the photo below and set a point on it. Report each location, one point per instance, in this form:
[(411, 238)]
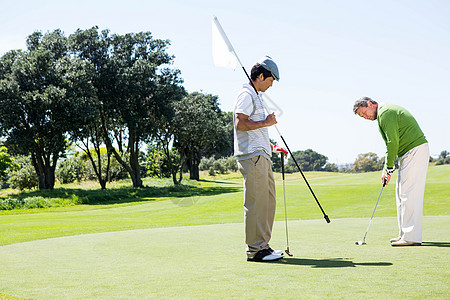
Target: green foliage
[(368, 162), (231, 163), (211, 171), (153, 161), (116, 170), (206, 163), (221, 165), (5, 163), (134, 87), (78, 167), (201, 129), (331, 167), (27, 203), (104, 89), (37, 202), (63, 196), (71, 169), (445, 161), (157, 163), (308, 160), (44, 93), (444, 158), (22, 174)]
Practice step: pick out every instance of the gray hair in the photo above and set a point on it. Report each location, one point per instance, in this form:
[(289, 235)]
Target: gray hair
[(362, 102)]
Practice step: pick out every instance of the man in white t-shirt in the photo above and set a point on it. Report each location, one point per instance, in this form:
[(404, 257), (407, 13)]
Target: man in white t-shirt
[(253, 151)]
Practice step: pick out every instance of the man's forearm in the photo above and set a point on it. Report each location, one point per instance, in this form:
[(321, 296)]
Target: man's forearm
[(245, 125), (243, 122)]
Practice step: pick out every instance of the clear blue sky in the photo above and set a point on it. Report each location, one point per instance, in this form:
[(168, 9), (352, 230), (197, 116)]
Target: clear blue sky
[(329, 53)]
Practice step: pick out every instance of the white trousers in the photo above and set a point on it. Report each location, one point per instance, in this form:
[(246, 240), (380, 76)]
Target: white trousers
[(410, 190)]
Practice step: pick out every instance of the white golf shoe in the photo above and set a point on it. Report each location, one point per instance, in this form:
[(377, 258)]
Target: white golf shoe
[(264, 256), (276, 252)]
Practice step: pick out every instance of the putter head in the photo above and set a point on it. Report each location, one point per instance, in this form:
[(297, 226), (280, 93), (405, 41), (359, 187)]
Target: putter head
[(359, 243), (288, 253)]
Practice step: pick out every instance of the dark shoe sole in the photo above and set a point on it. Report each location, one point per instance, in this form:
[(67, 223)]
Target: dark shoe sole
[(415, 244), (260, 260)]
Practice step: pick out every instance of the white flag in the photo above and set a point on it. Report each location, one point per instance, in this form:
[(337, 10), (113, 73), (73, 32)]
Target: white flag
[(223, 52)]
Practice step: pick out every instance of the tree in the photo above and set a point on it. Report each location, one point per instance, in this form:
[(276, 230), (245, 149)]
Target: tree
[(226, 148), (308, 160), (98, 159), (44, 94), (444, 158), (331, 167), (131, 82), (367, 162), (201, 129), (170, 163), (90, 141)]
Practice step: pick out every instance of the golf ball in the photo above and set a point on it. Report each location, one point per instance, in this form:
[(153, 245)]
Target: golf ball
[(358, 243)]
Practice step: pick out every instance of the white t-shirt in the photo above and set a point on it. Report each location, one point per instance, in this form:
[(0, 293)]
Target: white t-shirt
[(251, 142)]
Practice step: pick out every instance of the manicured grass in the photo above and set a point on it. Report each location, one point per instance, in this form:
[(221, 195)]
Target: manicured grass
[(140, 243), (220, 201), (208, 262)]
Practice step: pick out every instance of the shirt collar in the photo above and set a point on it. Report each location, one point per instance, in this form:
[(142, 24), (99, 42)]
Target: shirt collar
[(378, 107)]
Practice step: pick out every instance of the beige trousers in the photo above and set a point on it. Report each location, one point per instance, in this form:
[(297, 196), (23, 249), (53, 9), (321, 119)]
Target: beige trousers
[(259, 202), (410, 190)]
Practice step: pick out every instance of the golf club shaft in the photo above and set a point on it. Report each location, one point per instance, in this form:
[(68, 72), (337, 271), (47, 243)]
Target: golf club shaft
[(287, 147), (284, 194), (373, 213), (303, 175), (231, 49)]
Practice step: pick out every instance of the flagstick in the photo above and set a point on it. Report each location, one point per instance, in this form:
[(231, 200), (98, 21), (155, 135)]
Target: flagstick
[(287, 147), (231, 49)]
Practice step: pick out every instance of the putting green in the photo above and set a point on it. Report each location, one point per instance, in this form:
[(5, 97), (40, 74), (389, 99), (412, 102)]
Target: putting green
[(208, 261)]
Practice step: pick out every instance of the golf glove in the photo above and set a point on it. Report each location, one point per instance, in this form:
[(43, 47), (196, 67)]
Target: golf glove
[(389, 171)]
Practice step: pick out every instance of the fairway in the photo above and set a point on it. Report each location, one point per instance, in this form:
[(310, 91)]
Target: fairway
[(193, 247), (209, 262)]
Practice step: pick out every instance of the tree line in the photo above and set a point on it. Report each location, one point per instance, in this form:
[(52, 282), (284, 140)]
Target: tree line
[(96, 89), (110, 95)]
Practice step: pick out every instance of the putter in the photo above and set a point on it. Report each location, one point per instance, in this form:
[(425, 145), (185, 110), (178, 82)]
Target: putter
[(285, 211), (363, 242)]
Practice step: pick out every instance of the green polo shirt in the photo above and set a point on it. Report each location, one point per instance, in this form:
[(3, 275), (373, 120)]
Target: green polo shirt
[(399, 130)]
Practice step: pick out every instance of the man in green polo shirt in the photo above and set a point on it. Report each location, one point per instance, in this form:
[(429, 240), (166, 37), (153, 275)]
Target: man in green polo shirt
[(404, 140)]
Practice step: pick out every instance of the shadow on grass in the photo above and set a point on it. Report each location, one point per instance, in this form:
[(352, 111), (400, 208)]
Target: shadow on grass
[(217, 181), (128, 194), (436, 244), (329, 263)]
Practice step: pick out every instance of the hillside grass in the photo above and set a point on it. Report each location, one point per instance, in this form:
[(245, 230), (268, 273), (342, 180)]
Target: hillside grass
[(214, 200), (187, 242), (208, 262)]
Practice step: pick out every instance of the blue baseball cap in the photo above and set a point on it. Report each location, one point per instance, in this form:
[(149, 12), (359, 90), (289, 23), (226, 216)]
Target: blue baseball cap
[(268, 64)]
